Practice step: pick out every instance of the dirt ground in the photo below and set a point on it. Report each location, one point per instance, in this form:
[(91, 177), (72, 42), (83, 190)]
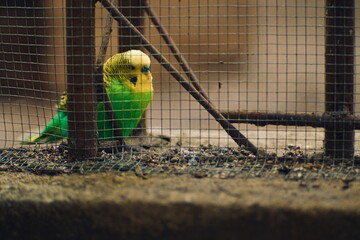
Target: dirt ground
[(126, 206)]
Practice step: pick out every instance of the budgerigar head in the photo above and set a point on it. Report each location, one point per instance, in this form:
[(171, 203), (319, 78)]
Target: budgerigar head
[(131, 68)]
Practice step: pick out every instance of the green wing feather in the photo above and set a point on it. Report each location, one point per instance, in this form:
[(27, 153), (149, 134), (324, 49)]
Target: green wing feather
[(128, 108), (55, 130)]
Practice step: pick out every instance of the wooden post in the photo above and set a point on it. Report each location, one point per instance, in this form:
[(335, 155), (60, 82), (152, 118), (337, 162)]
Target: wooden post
[(133, 10), (339, 76), (81, 105)]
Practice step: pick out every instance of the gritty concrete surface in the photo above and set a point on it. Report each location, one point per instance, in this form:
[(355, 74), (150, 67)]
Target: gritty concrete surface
[(124, 206)]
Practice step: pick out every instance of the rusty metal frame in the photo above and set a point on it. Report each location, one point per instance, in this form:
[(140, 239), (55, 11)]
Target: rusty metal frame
[(338, 120), (261, 119)]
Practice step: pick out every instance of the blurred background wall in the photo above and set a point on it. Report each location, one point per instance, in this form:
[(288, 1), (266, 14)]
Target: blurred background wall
[(264, 55)]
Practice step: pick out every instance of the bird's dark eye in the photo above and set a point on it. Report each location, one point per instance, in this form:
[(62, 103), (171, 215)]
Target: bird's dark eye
[(145, 69), (131, 67)]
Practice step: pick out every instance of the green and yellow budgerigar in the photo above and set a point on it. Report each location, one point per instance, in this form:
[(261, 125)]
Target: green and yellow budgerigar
[(128, 83)]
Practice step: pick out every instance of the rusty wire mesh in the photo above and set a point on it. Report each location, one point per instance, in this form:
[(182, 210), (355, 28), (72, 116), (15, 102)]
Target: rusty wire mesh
[(254, 60)]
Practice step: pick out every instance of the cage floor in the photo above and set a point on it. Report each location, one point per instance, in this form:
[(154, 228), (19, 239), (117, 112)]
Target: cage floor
[(161, 154)]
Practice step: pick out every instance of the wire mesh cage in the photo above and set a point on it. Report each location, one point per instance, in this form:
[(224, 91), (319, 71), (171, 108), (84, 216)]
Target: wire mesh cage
[(240, 88)]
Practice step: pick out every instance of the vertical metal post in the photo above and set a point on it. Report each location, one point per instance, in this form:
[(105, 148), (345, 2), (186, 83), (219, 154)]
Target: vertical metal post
[(339, 76), (133, 10), (81, 105)]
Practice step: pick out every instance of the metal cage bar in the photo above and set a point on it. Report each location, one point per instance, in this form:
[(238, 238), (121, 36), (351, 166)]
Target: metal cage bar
[(81, 106), (133, 10), (339, 76)]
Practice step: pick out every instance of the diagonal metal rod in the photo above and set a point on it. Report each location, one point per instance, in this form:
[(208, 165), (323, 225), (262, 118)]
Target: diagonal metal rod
[(174, 49), (235, 134), (104, 42)]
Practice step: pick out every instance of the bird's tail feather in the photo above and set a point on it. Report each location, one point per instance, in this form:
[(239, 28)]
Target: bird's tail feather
[(40, 138)]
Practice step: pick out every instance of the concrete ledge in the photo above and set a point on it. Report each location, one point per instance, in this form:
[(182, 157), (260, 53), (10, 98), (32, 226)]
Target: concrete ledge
[(109, 206)]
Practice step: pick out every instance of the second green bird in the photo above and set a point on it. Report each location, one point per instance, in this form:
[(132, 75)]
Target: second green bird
[(128, 83)]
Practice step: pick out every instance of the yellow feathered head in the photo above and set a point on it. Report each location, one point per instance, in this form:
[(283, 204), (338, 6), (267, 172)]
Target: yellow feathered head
[(130, 68)]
